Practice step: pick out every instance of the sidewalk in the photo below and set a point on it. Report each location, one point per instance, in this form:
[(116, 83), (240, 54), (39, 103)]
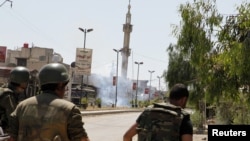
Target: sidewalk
[(200, 137)]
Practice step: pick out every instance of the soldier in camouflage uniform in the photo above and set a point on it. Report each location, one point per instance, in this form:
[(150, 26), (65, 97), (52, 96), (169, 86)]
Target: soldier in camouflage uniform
[(164, 121), (9, 94), (47, 116)]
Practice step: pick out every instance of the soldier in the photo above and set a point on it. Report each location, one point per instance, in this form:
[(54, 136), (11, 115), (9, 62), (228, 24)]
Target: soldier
[(9, 94), (164, 121), (48, 116)]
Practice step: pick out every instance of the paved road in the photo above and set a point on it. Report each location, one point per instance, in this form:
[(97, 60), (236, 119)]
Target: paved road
[(111, 127)]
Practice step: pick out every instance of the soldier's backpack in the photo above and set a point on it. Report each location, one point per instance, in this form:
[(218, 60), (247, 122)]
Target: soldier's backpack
[(161, 122)]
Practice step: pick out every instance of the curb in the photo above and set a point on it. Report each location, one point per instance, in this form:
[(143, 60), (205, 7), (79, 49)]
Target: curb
[(101, 112)]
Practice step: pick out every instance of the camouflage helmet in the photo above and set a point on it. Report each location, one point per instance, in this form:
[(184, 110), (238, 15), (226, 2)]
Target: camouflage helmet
[(19, 75), (53, 73)]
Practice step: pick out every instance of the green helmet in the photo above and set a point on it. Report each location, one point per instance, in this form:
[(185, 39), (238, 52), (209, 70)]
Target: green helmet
[(53, 73), (19, 75)]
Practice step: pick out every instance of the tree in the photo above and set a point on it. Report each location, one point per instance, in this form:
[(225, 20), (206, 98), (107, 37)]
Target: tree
[(179, 69), (194, 45), (216, 56)]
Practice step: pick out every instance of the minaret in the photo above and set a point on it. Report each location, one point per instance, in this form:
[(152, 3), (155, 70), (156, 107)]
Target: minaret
[(127, 29)]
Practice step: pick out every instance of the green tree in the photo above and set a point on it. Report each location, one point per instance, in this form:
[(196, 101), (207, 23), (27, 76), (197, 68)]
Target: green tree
[(234, 51), (194, 46), (215, 55), (179, 69)]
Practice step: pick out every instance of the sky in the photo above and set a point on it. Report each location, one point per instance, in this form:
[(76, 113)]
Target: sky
[(54, 24)]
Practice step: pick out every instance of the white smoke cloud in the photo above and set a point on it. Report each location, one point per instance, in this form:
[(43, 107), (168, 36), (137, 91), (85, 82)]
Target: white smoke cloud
[(103, 80)]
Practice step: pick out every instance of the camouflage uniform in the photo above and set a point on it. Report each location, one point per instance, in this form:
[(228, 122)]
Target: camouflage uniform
[(8, 103), (46, 117), (161, 122), (9, 94)]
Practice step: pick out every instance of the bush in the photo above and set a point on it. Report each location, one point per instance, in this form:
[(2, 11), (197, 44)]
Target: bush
[(196, 119), (98, 102), (84, 102)]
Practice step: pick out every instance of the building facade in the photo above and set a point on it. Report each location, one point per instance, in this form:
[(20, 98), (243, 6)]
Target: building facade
[(31, 57)]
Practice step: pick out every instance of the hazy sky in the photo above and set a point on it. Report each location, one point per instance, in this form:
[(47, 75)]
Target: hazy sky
[(54, 24)]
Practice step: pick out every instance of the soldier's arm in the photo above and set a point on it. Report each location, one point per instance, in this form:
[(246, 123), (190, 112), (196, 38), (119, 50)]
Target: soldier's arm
[(85, 139), (130, 133), (13, 131), (8, 103), (187, 137), (186, 129), (75, 129), (11, 139)]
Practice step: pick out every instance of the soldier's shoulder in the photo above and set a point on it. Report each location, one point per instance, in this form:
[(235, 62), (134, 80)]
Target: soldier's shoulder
[(64, 103), (5, 91), (28, 101)]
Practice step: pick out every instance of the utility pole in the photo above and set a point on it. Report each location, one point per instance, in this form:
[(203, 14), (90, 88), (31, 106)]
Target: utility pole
[(150, 71), (159, 89)]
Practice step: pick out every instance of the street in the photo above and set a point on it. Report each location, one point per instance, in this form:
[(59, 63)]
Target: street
[(111, 127)]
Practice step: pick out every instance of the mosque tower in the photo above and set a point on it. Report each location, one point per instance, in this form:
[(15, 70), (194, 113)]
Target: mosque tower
[(127, 29)]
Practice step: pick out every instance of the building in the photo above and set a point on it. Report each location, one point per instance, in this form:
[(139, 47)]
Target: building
[(4, 74), (31, 57)]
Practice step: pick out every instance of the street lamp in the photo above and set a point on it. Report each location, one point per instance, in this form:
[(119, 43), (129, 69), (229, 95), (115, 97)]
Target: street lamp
[(138, 63), (116, 80), (150, 71), (85, 31), (159, 77)]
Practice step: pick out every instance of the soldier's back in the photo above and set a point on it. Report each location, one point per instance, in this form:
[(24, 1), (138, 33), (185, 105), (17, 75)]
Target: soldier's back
[(160, 123)]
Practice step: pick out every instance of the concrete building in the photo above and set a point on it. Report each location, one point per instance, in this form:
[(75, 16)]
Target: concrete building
[(31, 57)]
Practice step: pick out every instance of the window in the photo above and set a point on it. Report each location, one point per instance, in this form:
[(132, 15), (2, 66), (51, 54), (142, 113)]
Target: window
[(42, 58), (22, 62)]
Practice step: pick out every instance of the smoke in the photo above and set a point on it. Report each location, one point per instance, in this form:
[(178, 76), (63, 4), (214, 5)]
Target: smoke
[(102, 79), (107, 91)]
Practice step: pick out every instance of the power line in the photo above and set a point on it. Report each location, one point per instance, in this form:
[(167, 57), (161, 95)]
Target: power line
[(151, 58), (31, 27), (5, 2)]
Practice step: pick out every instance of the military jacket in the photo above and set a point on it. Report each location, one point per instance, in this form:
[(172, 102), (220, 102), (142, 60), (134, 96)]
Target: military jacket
[(8, 103), (46, 117)]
